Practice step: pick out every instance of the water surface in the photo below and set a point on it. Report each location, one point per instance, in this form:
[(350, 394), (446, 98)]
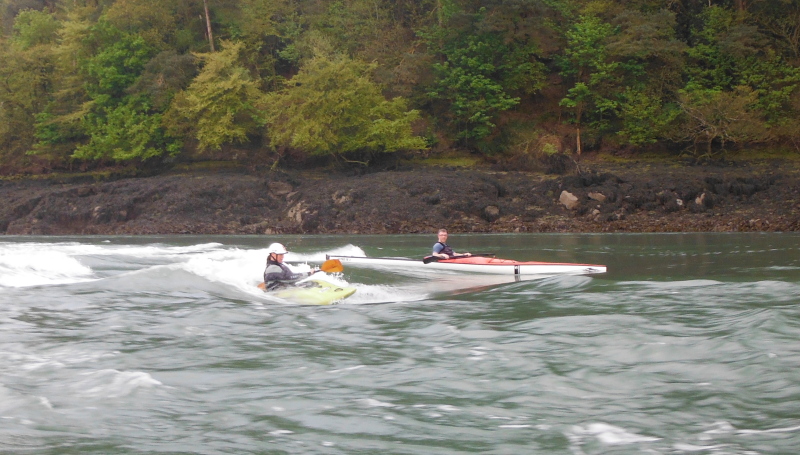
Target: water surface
[(689, 344)]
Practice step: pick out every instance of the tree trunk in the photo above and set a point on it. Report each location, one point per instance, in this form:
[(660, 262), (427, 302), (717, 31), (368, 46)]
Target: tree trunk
[(208, 25), (578, 149)]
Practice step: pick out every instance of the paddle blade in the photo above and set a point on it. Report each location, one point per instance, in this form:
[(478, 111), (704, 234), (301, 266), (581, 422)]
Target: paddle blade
[(429, 259), (332, 266)]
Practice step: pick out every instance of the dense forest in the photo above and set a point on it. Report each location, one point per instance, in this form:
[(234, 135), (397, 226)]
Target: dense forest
[(91, 83)]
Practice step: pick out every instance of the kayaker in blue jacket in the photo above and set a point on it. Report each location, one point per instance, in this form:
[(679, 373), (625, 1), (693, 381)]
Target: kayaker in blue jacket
[(443, 250), (277, 273)]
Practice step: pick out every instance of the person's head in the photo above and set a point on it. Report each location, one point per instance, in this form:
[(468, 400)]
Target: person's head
[(442, 235), (276, 251)]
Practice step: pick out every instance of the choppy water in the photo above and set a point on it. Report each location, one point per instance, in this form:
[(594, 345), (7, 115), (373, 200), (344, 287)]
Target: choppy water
[(688, 345)]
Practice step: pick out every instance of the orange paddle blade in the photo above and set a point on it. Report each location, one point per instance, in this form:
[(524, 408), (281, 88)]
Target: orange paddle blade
[(332, 266)]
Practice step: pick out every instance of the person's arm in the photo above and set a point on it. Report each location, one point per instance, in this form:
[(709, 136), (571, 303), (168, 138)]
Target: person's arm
[(437, 251), (283, 274)]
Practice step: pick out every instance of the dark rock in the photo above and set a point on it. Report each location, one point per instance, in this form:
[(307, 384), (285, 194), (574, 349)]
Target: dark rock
[(639, 198)]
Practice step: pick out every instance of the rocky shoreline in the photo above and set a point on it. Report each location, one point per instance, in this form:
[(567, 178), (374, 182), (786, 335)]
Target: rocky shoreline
[(632, 197)]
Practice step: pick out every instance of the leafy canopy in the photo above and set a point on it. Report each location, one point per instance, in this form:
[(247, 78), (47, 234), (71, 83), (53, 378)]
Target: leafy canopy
[(221, 104), (35, 27), (333, 107)]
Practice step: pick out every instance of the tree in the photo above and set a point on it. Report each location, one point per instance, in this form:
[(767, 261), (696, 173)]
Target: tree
[(27, 74), (119, 126), (782, 21), (332, 107), (58, 128), (650, 74), (586, 63), (719, 117), (163, 76), (126, 131), (35, 27), (153, 20), (645, 119), (731, 61), (479, 71), (221, 104)]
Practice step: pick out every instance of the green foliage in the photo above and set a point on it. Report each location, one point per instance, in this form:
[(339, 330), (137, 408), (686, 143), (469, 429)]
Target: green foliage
[(119, 126), (730, 64), (25, 75), (644, 117), (163, 76), (152, 20), (352, 27), (781, 20), (117, 64), (57, 123), (221, 104), (116, 79), (709, 65), (124, 132), (35, 27), (623, 75), (479, 72), (269, 30), (586, 61), (332, 107), (774, 82), (102, 121), (719, 117)]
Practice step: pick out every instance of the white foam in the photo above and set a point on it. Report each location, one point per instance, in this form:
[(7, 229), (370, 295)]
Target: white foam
[(373, 403), (27, 362), (771, 430), (8, 399), (139, 251), (357, 367), (243, 269), (367, 293), (610, 434), (683, 447), (19, 268), (112, 383), (11, 399), (35, 263)]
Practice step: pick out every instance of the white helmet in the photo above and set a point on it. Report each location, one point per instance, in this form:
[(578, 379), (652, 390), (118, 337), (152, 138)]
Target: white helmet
[(277, 248)]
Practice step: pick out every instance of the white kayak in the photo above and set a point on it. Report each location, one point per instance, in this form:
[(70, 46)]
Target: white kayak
[(476, 264)]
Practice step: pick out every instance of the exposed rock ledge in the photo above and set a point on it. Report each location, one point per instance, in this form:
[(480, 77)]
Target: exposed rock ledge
[(606, 198)]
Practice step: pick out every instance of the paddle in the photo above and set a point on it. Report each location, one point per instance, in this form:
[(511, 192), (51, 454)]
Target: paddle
[(429, 259), (332, 266), (329, 266)]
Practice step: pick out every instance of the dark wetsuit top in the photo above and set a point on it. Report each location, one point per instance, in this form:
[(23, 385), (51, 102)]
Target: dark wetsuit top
[(278, 274), (443, 248)]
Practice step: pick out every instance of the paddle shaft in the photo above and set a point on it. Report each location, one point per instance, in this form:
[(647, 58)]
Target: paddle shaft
[(429, 259)]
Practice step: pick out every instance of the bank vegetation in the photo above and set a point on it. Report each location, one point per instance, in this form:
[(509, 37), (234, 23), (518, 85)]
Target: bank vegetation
[(92, 84)]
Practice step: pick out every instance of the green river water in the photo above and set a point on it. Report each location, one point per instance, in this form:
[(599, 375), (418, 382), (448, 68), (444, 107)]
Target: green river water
[(163, 345)]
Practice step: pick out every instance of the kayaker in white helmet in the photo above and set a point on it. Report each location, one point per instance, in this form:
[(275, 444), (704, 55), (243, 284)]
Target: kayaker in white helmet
[(277, 273), (442, 250)]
